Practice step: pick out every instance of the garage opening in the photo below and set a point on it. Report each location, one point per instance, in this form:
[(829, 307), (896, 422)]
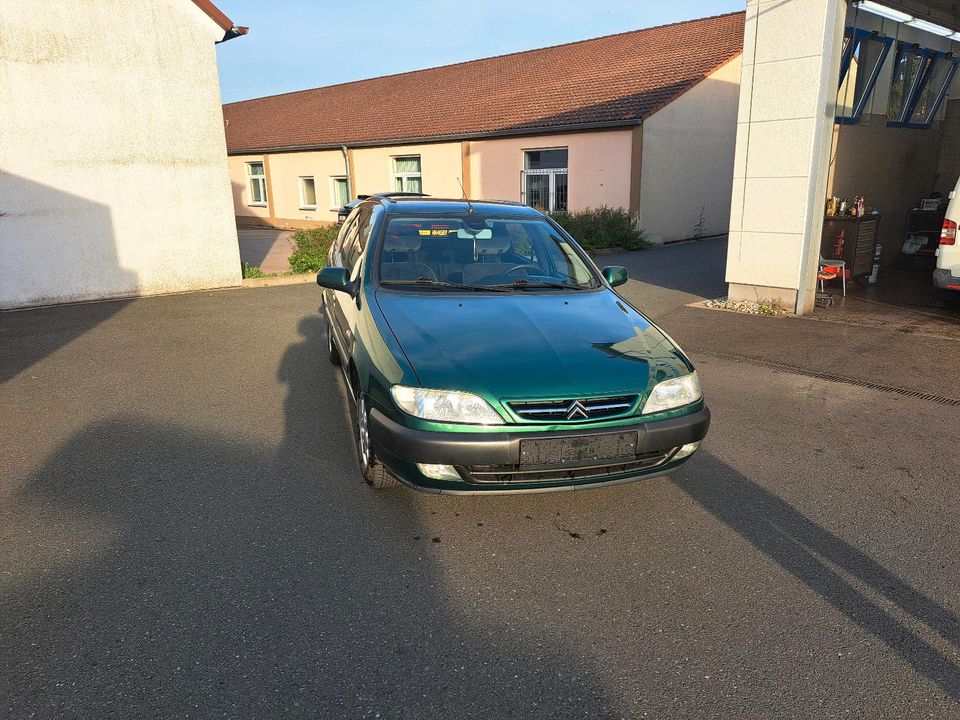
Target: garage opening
[(894, 163)]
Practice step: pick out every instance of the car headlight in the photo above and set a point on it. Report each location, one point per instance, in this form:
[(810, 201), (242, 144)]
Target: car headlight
[(445, 406), (673, 393)]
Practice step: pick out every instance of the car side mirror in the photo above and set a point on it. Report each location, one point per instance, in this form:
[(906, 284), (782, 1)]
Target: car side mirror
[(335, 278), (615, 274)]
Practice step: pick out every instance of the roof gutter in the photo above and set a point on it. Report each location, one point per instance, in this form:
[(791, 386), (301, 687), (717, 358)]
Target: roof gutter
[(346, 171), (509, 132), (230, 31), (235, 31)]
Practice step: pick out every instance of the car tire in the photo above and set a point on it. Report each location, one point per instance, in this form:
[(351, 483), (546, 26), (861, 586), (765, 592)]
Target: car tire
[(373, 471), (332, 353)]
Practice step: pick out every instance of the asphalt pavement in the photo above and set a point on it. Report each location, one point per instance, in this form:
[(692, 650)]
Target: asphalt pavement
[(184, 533)]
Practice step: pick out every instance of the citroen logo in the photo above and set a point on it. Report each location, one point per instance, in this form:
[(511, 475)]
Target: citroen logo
[(577, 409)]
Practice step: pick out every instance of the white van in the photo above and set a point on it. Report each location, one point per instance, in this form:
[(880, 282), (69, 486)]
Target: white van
[(947, 275)]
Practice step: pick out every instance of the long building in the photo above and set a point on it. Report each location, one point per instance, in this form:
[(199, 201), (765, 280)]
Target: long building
[(643, 120)]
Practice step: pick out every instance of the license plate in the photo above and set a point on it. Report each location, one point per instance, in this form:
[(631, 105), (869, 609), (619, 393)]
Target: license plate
[(579, 449)]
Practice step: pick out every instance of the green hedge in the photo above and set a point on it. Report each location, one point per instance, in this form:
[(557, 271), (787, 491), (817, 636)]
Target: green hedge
[(310, 248), (602, 227)]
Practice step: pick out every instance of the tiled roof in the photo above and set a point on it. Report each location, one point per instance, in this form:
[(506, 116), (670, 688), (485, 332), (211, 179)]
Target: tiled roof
[(612, 80)]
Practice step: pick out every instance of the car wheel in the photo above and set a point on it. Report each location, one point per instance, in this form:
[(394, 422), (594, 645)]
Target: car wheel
[(373, 471), (332, 351)]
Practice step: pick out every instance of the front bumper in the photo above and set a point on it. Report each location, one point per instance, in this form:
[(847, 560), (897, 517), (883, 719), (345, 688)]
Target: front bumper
[(401, 448)]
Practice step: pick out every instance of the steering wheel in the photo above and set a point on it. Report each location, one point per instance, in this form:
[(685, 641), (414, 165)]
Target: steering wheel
[(509, 270)]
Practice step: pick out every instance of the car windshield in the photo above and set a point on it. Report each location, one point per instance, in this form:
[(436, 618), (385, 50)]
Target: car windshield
[(480, 253)]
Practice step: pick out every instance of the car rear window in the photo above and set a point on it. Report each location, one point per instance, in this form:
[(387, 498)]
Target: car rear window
[(478, 251)]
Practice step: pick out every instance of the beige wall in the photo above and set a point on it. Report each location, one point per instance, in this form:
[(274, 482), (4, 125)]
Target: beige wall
[(687, 165), (285, 172), (599, 165), (114, 177), (241, 189), (440, 165)]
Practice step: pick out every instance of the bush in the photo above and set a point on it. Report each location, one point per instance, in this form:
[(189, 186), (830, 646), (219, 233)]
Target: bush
[(602, 227), (251, 271), (310, 248)]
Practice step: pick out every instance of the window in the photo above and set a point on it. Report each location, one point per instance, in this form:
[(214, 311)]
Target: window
[(257, 184), (406, 174), (932, 91), (863, 55), (339, 194), (544, 179), (308, 194), (920, 81)]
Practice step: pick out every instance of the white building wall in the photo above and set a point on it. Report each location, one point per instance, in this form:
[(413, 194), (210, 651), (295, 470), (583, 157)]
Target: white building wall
[(113, 173), (687, 164), (788, 87)]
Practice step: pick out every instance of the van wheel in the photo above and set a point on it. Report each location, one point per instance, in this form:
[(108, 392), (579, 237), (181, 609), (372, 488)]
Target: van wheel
[(373, 471), (332, 351)]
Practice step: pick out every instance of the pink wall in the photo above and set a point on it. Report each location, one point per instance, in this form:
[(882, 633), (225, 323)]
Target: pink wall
[(599, 164)]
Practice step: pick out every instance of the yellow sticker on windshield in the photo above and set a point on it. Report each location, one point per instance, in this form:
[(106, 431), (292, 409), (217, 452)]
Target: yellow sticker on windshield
[(436, 232)]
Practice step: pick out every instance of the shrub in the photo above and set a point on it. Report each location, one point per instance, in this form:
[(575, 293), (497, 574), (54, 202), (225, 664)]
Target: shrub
[(602, 227), (251, 271), (310, 248)]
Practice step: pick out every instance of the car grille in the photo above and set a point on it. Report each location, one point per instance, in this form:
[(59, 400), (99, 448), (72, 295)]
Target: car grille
[(500, 474), (573, 409)]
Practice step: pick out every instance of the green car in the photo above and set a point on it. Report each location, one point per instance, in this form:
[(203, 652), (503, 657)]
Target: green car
[(486, 353)]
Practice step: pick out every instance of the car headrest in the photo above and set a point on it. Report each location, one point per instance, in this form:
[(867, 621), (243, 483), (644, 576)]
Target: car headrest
[(401, 243), (492, 245)]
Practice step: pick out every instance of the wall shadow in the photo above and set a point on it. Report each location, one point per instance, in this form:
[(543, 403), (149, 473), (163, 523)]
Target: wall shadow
[(55, 247), (818, 559), (186, 573)]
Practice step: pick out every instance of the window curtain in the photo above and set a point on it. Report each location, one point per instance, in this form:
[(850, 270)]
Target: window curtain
[(407, 164)]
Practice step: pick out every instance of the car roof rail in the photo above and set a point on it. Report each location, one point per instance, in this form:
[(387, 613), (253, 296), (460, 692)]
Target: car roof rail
[(389, 196)]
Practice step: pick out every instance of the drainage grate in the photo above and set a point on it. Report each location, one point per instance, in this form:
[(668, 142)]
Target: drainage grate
[(830, 377)]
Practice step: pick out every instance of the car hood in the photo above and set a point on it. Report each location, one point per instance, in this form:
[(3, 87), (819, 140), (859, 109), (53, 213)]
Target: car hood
[(530, 344)]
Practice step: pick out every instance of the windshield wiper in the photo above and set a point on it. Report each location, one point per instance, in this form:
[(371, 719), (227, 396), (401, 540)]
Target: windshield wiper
[(522, 284), (435, 282)]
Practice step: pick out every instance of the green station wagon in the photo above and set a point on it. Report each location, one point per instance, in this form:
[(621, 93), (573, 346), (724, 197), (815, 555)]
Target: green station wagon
[(487, 353)]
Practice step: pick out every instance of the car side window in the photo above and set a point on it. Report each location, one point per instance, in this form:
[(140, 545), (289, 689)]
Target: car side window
[(355, 241), (337, 257), (365, 227)]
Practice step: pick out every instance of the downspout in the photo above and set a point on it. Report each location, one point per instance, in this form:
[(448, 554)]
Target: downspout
[(346, 171)]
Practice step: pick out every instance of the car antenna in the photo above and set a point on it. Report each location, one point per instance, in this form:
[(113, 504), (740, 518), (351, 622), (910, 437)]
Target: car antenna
[(469, 206)]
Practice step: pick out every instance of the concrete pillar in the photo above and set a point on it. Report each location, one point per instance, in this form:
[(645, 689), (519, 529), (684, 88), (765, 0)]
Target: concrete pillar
[(788, 92)]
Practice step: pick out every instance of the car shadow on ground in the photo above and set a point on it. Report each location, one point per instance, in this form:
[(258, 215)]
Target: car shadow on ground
[(167, 572), (819, 560)]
